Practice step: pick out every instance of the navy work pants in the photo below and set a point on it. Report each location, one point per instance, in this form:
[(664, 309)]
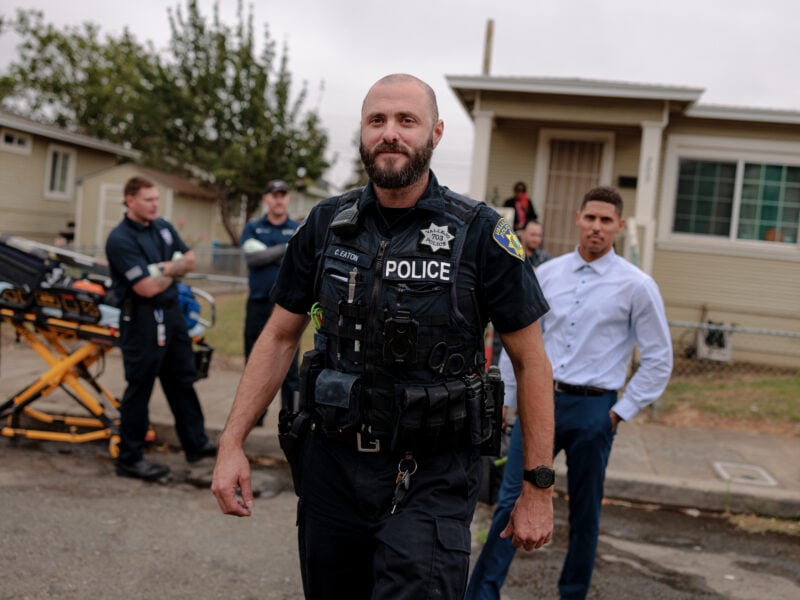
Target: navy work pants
[(350, 544), (583, 431), (173, 364)]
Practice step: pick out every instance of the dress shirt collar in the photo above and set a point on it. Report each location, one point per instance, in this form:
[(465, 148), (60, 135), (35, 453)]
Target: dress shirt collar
[(600, 266)]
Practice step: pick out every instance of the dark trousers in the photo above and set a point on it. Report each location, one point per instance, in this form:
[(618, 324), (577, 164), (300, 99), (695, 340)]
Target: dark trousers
[(350, 544), (173, 364), (583, 431), (256, 316)]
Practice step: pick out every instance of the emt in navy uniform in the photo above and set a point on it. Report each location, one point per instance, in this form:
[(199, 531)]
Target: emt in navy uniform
[(395, 402), (146, 258), (263, 242), (602, 306)]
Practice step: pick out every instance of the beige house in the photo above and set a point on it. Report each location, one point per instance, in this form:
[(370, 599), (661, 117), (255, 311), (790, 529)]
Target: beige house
[(712, 193), (39, 165), (99, 207)]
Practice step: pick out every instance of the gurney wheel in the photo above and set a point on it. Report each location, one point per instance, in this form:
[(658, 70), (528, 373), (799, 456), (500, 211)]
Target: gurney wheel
[(113, 446)]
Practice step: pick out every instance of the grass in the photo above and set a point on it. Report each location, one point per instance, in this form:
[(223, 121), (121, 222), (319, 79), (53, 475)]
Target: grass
[(227, 334), (767, 397)]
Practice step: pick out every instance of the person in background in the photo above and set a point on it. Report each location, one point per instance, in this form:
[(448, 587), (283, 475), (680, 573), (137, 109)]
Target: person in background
[(264, 242), (601, 307), (524, 210), (531, 238), (385, 452), (147, 257)]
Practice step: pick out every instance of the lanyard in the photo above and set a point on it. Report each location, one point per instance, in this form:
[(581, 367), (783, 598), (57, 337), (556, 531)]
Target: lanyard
[(161, 329)]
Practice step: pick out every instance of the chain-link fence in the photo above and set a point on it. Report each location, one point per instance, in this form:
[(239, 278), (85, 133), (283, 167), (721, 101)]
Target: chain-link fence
[(713, 349)]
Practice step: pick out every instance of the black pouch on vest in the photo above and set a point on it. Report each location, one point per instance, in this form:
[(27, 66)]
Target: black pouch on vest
[(337, 399), (479, 429), (413, 407), (456, 406), (437, 407), (310, 368)]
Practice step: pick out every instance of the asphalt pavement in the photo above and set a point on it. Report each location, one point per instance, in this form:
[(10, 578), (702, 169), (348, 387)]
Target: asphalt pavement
[(705, 469)]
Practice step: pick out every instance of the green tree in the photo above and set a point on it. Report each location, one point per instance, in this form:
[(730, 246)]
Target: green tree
[(359, 176), (209, 106)]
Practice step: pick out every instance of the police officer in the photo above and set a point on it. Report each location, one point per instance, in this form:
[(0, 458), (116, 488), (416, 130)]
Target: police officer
[(401, 277), (264, 243), (146, 257)]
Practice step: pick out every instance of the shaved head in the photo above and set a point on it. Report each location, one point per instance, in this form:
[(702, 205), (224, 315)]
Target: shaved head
[(406, 78)]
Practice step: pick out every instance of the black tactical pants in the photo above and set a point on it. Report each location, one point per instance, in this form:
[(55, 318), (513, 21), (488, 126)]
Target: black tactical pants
[(173, 364), (351, 546)]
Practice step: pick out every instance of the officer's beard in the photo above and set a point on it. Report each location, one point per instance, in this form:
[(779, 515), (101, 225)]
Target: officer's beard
[(387, 178)]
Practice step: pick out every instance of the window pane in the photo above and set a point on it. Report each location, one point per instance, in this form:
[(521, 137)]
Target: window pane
[(64, 172), (705, 197), (58, 178), (53, 186), (769, 209)]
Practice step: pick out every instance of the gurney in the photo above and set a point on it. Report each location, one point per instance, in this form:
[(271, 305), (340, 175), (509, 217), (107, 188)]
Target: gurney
[(54, 301)]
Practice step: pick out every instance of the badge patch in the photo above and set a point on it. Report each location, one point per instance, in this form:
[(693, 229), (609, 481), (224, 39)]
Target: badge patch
[(507, 239), (167, 235), (134, 272), (436, 237)]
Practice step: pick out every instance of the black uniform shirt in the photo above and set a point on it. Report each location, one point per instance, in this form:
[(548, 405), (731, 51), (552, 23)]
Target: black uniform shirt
[(507, 290), (132, 246)]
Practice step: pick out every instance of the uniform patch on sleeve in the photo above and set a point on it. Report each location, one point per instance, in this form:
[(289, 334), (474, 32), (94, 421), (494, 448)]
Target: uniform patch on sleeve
[(507, 239), (134, 272)]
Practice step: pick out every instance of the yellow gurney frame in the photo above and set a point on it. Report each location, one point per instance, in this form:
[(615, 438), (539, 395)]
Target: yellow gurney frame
[(68, 370), (64, 324)]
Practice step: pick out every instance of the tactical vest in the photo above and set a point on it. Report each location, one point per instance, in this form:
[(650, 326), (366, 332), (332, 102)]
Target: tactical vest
[(402, 345)]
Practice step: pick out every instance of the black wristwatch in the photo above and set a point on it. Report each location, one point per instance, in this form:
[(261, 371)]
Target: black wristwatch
[(541, 476)]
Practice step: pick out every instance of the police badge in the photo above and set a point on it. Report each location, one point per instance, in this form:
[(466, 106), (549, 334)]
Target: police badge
[(436, 237), (166, 234)]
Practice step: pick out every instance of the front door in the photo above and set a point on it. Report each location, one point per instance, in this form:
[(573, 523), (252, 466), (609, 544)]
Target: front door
[(574, 169)]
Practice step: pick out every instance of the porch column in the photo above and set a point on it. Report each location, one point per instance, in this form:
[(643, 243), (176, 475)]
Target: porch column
[(646, 189), (484, 120)]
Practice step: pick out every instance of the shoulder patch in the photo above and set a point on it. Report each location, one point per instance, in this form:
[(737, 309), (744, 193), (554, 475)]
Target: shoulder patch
[(507, 239)]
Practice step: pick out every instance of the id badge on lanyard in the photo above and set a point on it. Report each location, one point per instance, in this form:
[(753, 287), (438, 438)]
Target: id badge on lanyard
[(161, 329)]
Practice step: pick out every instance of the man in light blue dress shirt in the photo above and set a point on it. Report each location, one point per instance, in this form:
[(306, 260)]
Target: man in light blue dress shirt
[(601, 306)]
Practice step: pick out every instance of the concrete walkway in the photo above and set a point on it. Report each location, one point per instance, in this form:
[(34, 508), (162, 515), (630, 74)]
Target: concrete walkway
[(712, 470)]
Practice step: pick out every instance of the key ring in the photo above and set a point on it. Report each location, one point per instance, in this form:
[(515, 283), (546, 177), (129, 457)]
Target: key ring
[(407, 459)]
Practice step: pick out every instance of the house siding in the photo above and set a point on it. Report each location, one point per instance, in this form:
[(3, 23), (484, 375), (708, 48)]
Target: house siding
[(27, 212), (513, 159), (747, 292), (196, 219)]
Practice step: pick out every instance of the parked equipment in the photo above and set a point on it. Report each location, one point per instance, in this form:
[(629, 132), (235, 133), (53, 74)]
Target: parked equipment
[(55, 300)]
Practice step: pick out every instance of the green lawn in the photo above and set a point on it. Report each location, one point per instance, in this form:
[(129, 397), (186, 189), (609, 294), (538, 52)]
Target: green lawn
[(227, 334), (770, 398)]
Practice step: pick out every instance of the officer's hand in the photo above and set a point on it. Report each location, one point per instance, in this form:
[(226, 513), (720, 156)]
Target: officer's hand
[(232, 473), (531, 523)]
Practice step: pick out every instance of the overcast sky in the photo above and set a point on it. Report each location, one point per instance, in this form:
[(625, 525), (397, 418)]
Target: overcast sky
[(741, 52)]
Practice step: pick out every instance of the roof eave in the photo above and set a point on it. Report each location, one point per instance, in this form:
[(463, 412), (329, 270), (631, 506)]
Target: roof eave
[(573, 87), (62, 135)]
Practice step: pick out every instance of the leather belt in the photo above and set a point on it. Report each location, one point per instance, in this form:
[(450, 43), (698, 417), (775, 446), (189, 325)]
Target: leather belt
[(579, 390)]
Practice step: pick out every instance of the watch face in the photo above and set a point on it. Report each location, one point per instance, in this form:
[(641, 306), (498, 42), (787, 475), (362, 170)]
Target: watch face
[(544, 477), (541, 477)]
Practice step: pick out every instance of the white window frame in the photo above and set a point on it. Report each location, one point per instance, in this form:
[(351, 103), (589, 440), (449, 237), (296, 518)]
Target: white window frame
[(23, 148), (720, 149), (67, 193)]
